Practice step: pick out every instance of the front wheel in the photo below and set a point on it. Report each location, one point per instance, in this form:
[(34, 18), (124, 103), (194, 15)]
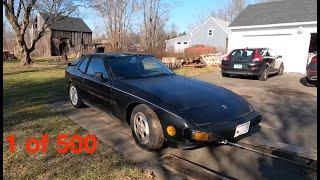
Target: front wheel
[(281, 69), (146, 128), (74, 97)]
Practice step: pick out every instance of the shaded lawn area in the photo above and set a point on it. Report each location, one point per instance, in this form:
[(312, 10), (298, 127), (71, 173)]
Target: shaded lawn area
[(27, 92)]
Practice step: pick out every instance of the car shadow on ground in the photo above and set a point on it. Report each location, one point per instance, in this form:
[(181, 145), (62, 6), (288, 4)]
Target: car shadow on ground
[(249, 77), (303, 81)]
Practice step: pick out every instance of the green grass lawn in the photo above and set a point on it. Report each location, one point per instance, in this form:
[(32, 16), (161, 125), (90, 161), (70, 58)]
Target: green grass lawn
[(27, 92), (191, 72)]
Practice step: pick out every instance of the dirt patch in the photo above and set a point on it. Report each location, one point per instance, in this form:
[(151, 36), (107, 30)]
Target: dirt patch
[(288, 92)]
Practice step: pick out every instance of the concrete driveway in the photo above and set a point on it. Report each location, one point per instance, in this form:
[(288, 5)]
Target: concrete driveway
[(289, 110)]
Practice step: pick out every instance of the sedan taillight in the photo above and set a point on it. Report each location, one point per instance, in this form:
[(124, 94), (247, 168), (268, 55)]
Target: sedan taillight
[(257, 56), (225, 58)]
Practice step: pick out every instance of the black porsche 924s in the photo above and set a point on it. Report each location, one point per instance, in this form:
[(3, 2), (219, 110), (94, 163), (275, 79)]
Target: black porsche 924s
[(158, 104)]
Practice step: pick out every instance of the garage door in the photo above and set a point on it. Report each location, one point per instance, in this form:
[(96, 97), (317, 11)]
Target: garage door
[(292, 47), (181, 45)]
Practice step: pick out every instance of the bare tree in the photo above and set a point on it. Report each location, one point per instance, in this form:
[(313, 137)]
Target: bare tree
[(200, 19), (235, 7), (154, 13), (117, 15), (20, 14), (231, 10)]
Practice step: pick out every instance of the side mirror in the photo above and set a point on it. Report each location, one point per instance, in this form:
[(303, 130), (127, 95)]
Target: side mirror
[(99, 76), (279, 56)]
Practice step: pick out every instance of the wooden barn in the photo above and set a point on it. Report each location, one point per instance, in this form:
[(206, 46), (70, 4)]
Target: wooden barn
[(67, 36)]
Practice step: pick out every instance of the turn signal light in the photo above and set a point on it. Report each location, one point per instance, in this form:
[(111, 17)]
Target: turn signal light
[(200, 136), (171, 130)]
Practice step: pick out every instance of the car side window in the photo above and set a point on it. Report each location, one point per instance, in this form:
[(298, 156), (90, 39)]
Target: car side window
[(83, 64), (97, 65)]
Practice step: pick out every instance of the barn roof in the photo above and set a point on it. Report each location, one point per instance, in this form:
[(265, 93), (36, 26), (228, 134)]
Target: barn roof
[(68, 24), (285, 11)]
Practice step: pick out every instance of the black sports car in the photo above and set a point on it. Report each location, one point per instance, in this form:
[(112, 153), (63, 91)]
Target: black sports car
[(158, 104)]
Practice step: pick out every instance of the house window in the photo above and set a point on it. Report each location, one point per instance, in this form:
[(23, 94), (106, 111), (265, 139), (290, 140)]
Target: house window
[(210, 32), (185, 42), (178, 42)]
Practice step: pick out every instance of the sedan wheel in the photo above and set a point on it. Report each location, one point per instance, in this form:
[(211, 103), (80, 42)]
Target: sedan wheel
[(281, 69), (74, 97), (264, 75), (146, 127)]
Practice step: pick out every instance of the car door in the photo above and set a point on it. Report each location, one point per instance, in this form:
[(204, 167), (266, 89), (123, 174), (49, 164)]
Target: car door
[(99, 91), (81, 73)]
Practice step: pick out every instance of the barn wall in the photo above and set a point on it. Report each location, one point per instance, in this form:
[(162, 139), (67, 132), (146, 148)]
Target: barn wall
[(78, 40), (43, 48)]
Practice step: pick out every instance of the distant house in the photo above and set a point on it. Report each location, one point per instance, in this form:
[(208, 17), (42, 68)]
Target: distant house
[(289, 27), (213, 33), (68, 35)]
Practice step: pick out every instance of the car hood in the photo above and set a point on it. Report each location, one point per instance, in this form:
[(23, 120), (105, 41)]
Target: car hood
[(195, 100)]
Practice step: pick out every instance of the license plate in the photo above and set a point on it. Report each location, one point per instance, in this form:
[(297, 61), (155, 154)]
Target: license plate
[(242, 129), (237, 66)]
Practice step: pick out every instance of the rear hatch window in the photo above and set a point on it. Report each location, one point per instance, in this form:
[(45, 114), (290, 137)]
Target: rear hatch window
[(242, 55)]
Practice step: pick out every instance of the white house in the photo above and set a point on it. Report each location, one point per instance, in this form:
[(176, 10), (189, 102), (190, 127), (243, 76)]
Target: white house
[(289, 27), (212, 33)]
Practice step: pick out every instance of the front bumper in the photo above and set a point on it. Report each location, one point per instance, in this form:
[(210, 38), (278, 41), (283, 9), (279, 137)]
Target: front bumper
[(222, 131)]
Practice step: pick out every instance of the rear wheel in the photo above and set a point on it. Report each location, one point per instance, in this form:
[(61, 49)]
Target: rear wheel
[(281, 69), (264, 74), (74, 97), (146, 127)]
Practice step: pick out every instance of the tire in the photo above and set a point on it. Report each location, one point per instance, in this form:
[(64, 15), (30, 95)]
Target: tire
[(74, 97), (264, 74), (281, 69), (146, 116), (224, 75)]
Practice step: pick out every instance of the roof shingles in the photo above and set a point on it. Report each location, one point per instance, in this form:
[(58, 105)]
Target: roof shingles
[(285, 11), (68, 24)]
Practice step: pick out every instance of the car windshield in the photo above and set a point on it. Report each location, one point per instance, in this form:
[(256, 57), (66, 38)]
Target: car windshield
[(137, 67)]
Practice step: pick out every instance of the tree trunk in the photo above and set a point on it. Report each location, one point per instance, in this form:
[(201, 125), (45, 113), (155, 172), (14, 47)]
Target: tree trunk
[(25, 59)]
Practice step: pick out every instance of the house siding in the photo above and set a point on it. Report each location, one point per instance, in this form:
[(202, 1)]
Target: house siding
[(200, 36), (170, 44), (218, 39)]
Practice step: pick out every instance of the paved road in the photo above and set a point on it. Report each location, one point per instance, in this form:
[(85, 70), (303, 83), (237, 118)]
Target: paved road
[(288, 107)]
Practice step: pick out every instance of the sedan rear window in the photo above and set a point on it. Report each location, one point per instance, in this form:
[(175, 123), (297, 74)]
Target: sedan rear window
[(242, 54)]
